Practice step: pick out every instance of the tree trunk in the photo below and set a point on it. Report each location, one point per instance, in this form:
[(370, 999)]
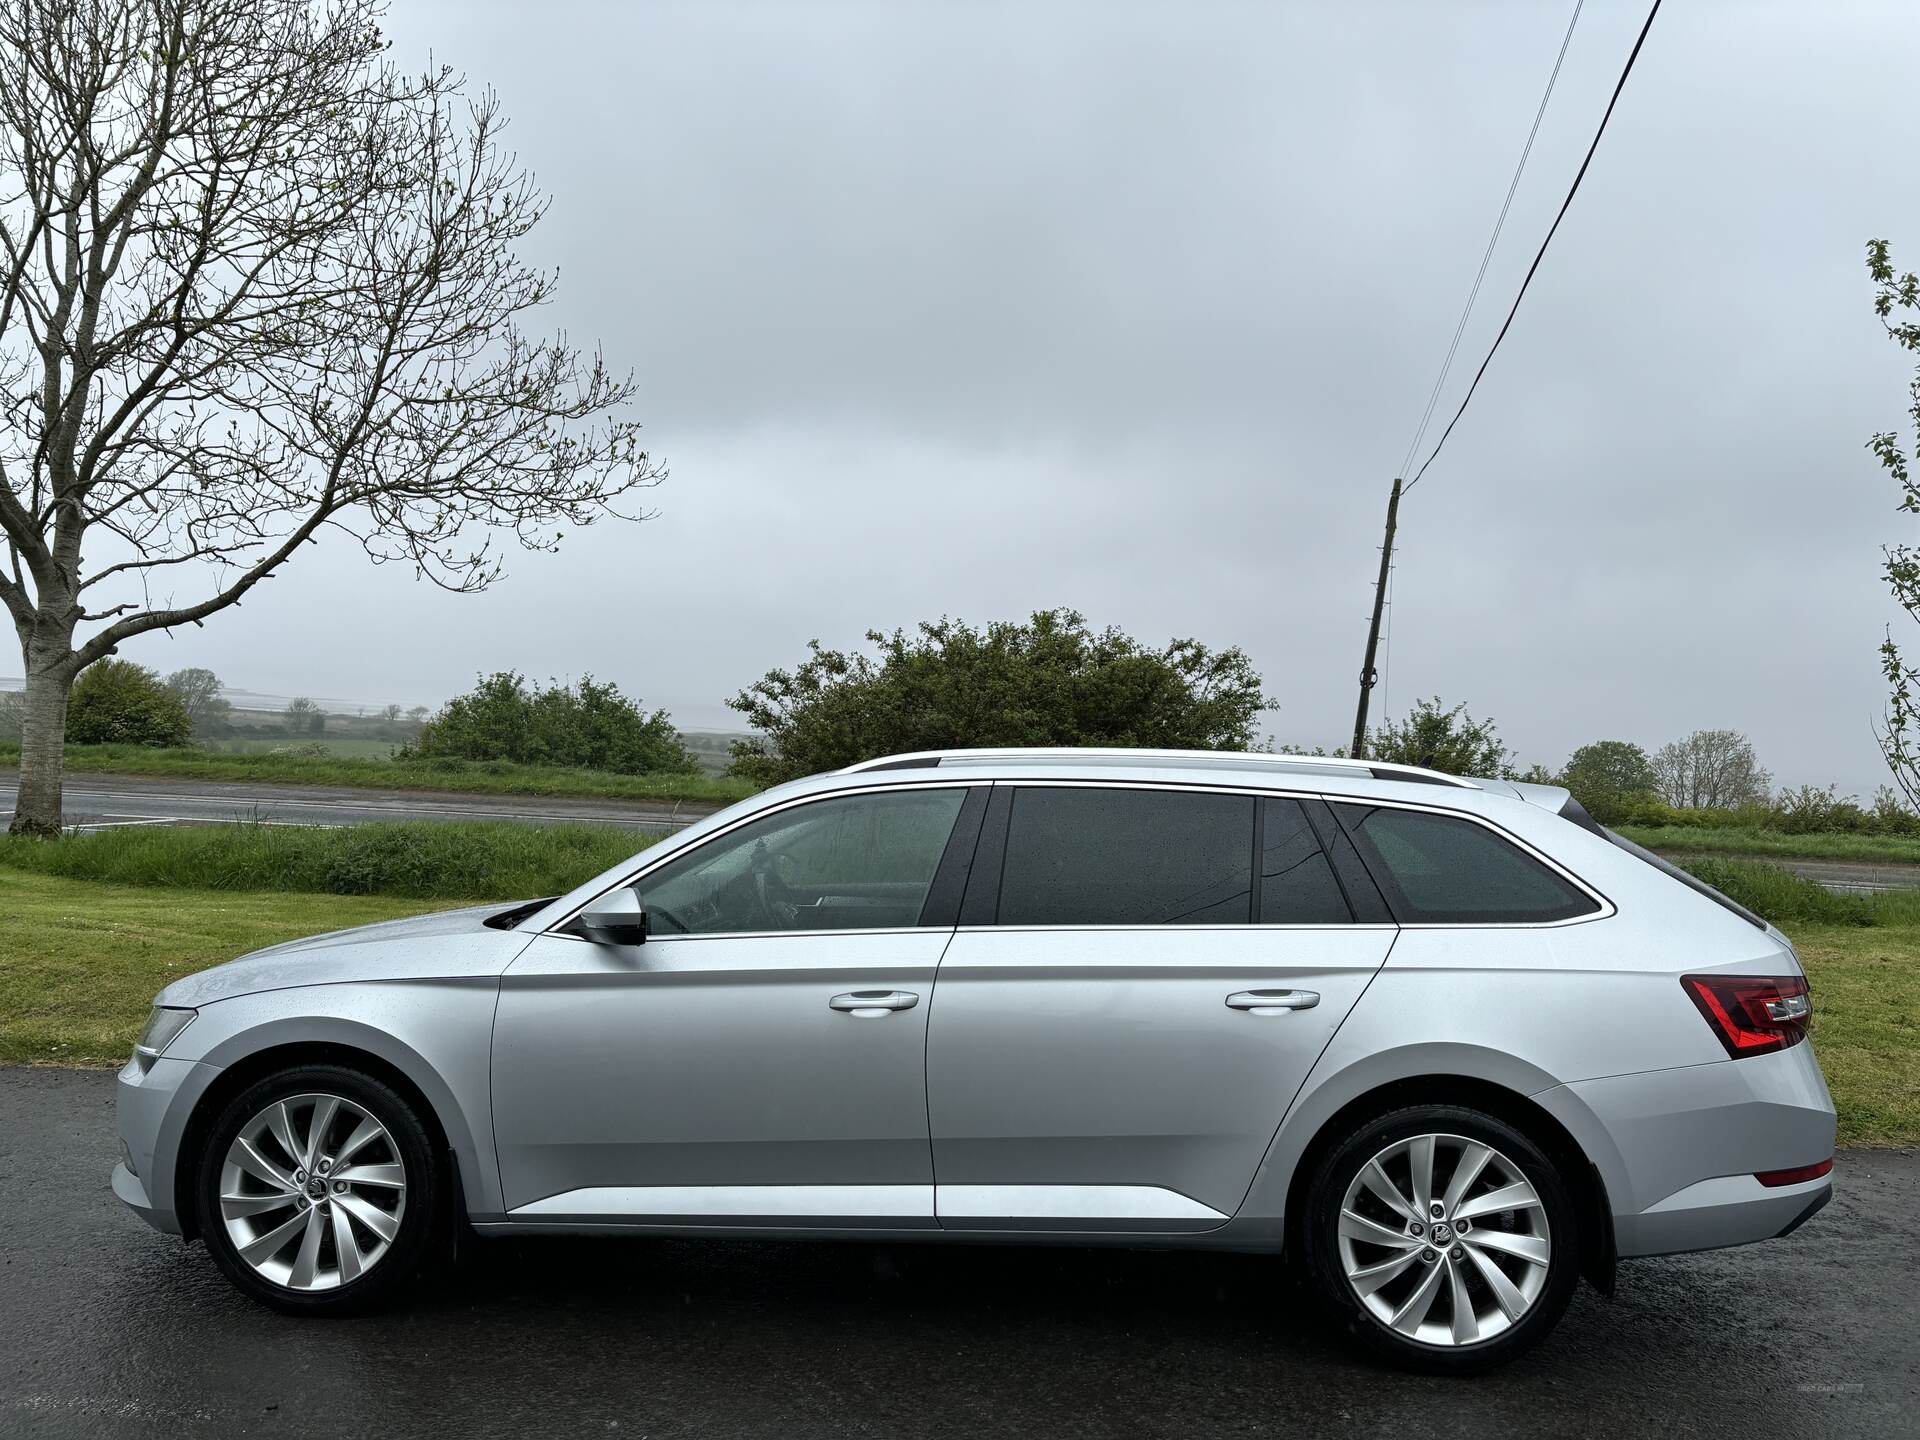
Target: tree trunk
[(43, 733)]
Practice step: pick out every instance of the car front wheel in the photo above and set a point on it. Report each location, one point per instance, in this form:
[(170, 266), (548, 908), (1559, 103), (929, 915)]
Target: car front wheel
[(318, 1191), (1443, 1238)]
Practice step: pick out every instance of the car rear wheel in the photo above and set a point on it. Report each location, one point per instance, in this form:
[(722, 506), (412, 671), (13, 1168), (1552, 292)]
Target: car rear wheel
[(1443, 1238), (319, 1193)]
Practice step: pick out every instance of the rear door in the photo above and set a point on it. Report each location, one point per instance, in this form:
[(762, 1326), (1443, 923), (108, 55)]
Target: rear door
[(1141, 980)]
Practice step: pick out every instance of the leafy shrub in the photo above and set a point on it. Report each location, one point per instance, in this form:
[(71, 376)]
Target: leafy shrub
[(116, 702), (1608, 778), (1437, 738), (416, 859), (589, 726), (1051, 681)]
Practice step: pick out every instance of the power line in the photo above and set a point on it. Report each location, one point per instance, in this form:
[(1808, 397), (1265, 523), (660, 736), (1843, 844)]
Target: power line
[(1572, 190), (1446, 365)]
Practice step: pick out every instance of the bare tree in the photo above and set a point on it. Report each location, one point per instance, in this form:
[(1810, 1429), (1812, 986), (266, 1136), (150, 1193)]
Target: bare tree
[(300, 714), (256, 282), (199, 690), (1710, 769)]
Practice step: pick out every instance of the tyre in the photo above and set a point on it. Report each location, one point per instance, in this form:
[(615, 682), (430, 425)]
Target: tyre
[(319, 1191), (1442, 1238)]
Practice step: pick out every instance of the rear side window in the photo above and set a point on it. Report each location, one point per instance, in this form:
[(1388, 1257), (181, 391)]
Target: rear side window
[(1297, 883), (1087, 856), (1440, 869)]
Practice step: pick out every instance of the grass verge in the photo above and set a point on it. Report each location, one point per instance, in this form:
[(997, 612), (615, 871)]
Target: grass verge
[(415, 860), (1684, 839), (1866, 1026), (80, 962), (480, 777)]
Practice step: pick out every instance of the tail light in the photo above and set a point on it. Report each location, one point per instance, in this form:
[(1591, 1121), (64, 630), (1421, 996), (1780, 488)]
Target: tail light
[(1753, 1015), (1774, 1179)]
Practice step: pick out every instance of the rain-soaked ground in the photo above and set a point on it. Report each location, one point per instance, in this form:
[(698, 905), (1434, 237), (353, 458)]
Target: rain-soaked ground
[(107, 1328)]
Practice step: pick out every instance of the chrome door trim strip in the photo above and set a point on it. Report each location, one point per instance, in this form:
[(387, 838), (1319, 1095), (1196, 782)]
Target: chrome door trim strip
[(1017, 1205), (734, 1202)]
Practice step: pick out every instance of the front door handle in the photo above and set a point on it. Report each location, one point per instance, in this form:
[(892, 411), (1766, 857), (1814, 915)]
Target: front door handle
[(868, 1003), (1272, 1002)]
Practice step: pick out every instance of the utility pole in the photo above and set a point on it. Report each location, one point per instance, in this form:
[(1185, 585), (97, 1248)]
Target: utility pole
[(1367, 673)]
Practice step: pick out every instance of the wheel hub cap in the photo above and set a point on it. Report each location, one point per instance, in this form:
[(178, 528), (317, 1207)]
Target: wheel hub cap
[(1444, 1240), (312, 1192)]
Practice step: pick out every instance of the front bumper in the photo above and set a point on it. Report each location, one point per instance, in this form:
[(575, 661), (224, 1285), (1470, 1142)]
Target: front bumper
[(153, 1101), (1681, 1148)]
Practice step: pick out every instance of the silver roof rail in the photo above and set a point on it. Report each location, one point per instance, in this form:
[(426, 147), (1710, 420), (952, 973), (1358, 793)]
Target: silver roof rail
[(1199, 759)]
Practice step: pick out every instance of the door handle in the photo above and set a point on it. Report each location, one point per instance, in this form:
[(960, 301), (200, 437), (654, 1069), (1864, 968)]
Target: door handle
[(867, 1003), (1271, 1002)]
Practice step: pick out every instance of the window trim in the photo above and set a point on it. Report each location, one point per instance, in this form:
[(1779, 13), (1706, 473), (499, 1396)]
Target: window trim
[(1606, 907), (969, 908), (558, 928)]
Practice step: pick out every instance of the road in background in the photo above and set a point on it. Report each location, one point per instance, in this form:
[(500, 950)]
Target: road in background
[(100, 801), (110, 1329)]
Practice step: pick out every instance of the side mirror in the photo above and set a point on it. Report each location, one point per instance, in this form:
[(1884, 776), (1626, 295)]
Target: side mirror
[(616, 918)]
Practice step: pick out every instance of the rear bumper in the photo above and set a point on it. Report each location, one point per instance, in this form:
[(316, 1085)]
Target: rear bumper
[(1679, 1149)]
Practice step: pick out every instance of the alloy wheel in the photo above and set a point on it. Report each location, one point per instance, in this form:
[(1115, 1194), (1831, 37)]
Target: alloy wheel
[(1444, 1239), (312, 1192)]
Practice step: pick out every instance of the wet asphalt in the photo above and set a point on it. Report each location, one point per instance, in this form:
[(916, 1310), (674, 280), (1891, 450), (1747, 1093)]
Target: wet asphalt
[(107, 1328)]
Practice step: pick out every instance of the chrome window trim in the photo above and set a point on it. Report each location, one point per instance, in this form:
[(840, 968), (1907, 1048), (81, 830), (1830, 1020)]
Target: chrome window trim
[(1607, 907), (954, 782), (646, 866)]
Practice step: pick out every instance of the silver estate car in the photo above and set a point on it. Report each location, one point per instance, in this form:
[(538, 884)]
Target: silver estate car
[(1446, 1042)]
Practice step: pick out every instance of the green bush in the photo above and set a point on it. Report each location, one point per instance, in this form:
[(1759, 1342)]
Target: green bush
[(116, 702), (416, 859), (1781, 896), (1437, 738), (1609, 778), (1051, 681), (589, 726)]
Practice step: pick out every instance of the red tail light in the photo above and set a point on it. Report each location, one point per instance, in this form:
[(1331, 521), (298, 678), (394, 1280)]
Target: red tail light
[(1753, 1015)]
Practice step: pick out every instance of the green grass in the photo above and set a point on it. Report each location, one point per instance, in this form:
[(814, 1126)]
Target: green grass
[(484, 777), (337, 746), (418, 860), (1685, 840), (1866, 1026), (81, 962)]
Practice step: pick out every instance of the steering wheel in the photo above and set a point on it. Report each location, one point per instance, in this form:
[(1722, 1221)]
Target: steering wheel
[(773, 888)]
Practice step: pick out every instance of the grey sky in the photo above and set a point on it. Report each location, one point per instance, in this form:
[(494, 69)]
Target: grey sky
[(973, 309)]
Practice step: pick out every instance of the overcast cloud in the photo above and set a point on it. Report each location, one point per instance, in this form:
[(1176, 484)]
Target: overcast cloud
[(975, 309)]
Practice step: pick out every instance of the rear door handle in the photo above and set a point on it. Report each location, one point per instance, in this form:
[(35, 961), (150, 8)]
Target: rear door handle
[(867, 1003), (1272, 1002)]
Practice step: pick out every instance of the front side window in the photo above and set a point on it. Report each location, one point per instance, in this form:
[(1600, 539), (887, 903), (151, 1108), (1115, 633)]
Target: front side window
[(857, 862), (1441, 869), (1088, 856)]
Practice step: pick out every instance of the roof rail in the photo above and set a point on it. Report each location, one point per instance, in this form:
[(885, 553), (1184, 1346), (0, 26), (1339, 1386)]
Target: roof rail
[(1232, 759)]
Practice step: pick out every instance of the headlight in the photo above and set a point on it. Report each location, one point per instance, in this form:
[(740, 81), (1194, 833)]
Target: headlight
[(162, 1026)]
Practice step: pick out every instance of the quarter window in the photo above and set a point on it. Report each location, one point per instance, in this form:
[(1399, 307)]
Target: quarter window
[(1089, 856), (858, 862), (1440, 869)]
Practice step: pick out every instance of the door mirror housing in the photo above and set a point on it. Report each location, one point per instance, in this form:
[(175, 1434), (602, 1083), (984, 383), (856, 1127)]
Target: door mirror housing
[(616, 918)]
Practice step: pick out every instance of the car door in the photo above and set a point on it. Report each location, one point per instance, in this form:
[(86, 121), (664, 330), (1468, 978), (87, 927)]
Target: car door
[(1141, 980), (759, 1059)]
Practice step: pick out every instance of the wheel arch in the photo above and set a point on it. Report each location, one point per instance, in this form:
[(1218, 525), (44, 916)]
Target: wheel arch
[(287, 1054), (1583, 1177)]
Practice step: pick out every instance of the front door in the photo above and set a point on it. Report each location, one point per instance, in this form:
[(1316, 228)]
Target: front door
[(1122, 1021), (760, 1059)]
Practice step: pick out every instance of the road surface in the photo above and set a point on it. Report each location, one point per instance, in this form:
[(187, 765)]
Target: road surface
[(109, 1329)]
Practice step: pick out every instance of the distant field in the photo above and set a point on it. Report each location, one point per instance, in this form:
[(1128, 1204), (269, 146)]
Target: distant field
[(484, 777)]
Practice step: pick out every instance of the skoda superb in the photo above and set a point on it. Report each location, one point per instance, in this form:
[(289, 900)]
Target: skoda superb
[(1446, 1042)]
